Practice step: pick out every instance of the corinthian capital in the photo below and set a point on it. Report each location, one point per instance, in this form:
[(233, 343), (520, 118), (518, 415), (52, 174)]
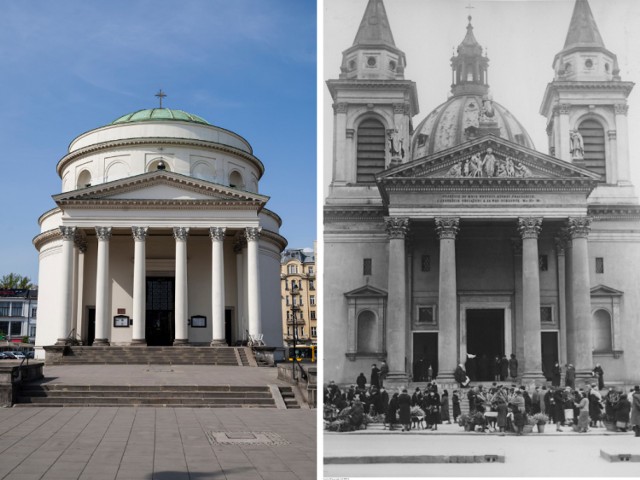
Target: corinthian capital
[(252, 233), (103, 233), (68, 233), (139, 233), (529, 227), (621, 109), (579, 227), (447, 227), (180, 233), (397, 227), (217, 233)]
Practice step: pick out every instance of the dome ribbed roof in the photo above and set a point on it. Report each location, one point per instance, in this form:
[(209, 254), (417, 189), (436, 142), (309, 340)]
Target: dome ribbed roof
[(162, 114), (457, 121)]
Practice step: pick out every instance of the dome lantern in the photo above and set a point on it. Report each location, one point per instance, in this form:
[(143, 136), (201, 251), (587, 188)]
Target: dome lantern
[(469, 67)]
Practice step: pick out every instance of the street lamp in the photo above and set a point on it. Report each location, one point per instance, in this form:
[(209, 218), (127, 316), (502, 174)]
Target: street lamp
[(295, 292)]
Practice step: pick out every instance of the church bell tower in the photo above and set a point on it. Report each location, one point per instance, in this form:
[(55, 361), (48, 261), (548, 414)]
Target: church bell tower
[(373, 105), (586, 108)]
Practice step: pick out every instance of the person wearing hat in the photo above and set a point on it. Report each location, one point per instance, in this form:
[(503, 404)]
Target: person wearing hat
[(635, 410), (599, 373), (404, 405), (570, 377)]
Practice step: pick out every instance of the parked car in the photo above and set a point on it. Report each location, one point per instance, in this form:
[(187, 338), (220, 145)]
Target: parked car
[(3, 356), (18, 355), (9, 355)]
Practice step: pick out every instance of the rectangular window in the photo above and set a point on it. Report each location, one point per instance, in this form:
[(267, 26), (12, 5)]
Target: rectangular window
[(312, 285), (16, 329), (310, 270), (32, 331), (366, 266), (34, 312), (312, 300), (4, 328), (543, 260), (312, 314), (286, 284), (546, 314), (4, 309), (16, 309), (287, 297), (426, 314), (293, 269), (314, 331), (599, 265), (425, 263)]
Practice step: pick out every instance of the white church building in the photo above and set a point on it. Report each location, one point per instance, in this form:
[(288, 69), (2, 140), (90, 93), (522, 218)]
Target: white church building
[(159, 237)]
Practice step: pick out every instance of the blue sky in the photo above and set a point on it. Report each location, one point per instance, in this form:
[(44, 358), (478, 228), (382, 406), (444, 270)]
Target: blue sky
[(70, 66)]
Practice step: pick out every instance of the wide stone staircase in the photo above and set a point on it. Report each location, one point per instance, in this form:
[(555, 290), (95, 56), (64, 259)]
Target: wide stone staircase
[(114, 355)]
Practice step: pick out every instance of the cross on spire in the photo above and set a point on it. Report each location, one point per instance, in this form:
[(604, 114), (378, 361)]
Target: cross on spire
[(160, 96), (469, 7)]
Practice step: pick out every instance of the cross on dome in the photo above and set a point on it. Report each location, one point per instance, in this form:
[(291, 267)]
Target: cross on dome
[(160, 96)]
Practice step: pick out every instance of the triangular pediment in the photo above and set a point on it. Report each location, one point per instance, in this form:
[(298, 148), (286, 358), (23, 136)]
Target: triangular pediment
[(366, 291), (604, 291), (489, 159), (159, 186)]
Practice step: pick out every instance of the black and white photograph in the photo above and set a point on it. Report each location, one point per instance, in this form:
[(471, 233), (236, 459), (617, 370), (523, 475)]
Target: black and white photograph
[(481, 238)]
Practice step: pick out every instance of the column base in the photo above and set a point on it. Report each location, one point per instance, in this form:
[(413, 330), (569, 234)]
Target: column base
[(584, 377), (219, 343), (396, 380), (533, 377), (101, 342), (139, 342), (181, 342), (62, 341)]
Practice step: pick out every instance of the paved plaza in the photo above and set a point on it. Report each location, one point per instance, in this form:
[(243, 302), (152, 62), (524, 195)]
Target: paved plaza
[(555, 454), (100, 443)]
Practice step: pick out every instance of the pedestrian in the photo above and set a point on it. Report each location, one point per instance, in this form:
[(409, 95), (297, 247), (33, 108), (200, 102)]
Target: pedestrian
[(361, 381), (570, 377), (556, 374), (496, 368), (432, 404), (455, 402), (384, 371), (599, 373), (622, 413), (504, 368), (558, 408), (375, 376), (583, 416), (429, 373), (444, 410), (404, 407), (391, 417), (595, 407), (513, 367), (460, 376), (502, 410), (542, 399), (567, 405), (383, 401), (635, 410)]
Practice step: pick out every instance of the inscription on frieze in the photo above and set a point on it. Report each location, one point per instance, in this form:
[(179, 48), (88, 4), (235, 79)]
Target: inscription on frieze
[(489, 198)]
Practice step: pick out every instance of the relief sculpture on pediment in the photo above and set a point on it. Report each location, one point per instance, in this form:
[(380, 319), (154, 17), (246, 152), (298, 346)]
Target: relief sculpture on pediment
[(489, 166)]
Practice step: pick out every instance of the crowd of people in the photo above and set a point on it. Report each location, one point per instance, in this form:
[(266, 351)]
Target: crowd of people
[(499, 408)]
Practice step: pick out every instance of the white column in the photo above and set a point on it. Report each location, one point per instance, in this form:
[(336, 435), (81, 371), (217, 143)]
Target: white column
[(217, 286), (565, 134), (252, 235), (562, 298), (623, 144), (139, 285), (81, 245), (242, 327), (182, 298), (340, 145), (103, 310), (612, 158), (66, 287)]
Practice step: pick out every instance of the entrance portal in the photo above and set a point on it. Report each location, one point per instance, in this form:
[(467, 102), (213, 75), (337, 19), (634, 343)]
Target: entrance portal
[(159, 327), (549, 352), (425, 354), (485, 340)]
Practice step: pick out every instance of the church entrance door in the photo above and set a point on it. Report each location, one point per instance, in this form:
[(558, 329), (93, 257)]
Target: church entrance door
[(159, 327), (485, 340), (425, 354), (549, 352)]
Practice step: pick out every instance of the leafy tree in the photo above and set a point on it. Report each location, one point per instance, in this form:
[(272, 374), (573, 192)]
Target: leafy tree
[(13, 280)]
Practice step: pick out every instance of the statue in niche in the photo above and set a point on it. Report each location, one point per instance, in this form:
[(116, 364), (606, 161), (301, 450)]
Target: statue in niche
[(489, 164), (577, 145), (396, 144)]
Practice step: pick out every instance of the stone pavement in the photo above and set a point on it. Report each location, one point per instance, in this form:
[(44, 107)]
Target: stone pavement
[(100, 443), (553, 453)]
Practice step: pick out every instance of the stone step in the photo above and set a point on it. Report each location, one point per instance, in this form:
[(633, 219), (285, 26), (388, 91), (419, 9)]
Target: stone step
[(147, 388), (171, 400), (142, 394)]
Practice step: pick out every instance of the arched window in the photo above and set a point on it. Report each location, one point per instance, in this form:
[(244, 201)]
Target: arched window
[(370, 155), (235, 180), (84, 179), (367, 338), (602, 331), (158, 164), (594, 156)]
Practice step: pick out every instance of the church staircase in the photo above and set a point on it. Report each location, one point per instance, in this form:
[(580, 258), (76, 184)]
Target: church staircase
[(114, 355), (225, 396), (289, 397)]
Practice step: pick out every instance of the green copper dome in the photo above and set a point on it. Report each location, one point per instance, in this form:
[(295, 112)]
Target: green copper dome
[(153, 114)]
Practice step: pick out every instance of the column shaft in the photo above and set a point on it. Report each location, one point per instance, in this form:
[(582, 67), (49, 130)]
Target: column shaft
[(182, 297), (562, 300), (253, 280), (66, 286), (623, 144), (447, 229), (530, 229), (217, 286), (103, 305), (139, 285), (565, 136)]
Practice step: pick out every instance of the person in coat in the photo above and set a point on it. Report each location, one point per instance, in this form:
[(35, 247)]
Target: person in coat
[(513, 367), (595, 407), (455, 402), (556, 374), (361, 381), (460, 376), (391, 417), (622, 411), (504, 368), (383, 401), (404, 407), (599, 374), (558, 408), (502, 410), (444, 410), (375, 376), (384, 371), (635, 410), (583, 416), (570, 377)]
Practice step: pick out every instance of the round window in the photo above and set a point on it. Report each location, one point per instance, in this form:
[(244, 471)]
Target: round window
[(352, 65), (371, 61), (392, 65), (588, 63)]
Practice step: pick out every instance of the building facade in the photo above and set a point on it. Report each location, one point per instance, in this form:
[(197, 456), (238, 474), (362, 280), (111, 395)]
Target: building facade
[(159, 237), (456, 239), (18, 313), (298, 271)]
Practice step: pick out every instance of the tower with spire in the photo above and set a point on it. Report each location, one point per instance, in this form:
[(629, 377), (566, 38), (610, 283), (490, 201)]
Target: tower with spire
[(586, 108), (373, 105), (469, 67)]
